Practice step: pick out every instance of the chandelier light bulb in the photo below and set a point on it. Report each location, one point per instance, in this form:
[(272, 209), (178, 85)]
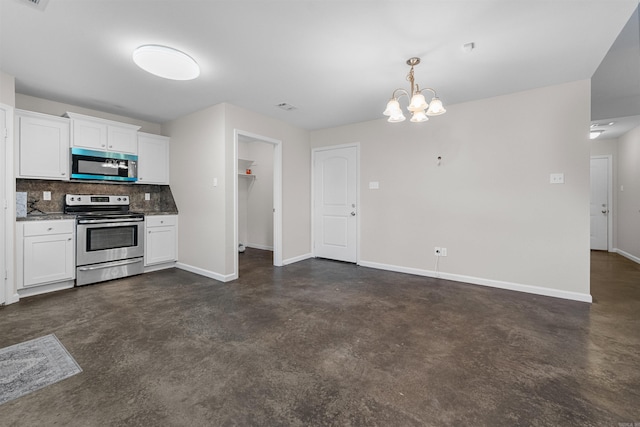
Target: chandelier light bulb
[(419, 116), (418, 103), (397, 118), (435, 107), (393, 107)]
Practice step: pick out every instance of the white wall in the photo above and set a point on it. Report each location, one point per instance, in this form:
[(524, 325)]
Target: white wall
[(202, 148), (243, 193), (260, 197), (197, 158), (628, 205), (7, 89), (489, 202)]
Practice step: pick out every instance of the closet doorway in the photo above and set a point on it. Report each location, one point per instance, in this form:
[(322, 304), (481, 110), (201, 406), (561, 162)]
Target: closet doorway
[(258, 195)]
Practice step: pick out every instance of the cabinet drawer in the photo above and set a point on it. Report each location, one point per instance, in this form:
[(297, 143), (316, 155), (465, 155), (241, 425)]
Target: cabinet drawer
[(39, 228), (160, 220)]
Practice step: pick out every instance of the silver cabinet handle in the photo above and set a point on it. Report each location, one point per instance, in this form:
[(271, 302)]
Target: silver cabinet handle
[(50, 228)]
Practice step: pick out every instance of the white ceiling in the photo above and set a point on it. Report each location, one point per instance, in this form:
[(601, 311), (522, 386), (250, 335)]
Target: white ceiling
[(615, 86), (337, 61)]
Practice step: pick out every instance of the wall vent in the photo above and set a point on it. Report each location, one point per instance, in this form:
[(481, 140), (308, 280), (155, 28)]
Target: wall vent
[(286, 107), (37, 4)]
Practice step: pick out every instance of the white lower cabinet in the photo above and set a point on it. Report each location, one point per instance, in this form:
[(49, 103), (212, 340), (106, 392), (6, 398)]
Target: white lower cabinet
[(45, 256), (160, 241)]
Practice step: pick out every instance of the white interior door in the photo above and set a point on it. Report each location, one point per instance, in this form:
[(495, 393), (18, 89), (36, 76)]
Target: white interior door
[(600, 203), (335, 196)]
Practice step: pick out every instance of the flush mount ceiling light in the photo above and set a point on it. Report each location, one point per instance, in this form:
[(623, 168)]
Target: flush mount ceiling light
[(595, 133), (166, 62), (418, 105)]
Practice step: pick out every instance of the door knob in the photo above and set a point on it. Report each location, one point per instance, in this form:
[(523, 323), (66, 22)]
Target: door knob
[(605, 211), (353, 214)]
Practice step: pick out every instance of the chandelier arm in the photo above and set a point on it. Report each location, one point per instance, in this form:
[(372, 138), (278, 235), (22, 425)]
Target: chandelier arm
[(404, 92), (430, 90)]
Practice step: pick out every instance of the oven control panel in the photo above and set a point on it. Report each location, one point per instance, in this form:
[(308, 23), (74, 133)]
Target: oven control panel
[(95, 200)]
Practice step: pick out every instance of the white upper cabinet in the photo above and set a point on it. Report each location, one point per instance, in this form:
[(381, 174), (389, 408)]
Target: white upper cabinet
[(153, 159), (103, 135), (42, 149)]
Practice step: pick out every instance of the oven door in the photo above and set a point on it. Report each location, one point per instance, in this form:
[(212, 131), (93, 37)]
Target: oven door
[(103, 240)]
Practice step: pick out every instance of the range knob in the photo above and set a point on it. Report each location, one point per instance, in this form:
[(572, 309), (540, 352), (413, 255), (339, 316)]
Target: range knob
[(73, 198), (79, 198), (119, 199), (124, 199)]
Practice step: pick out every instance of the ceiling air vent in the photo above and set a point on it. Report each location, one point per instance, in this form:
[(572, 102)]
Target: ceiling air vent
[(286, 107), (38, 4)]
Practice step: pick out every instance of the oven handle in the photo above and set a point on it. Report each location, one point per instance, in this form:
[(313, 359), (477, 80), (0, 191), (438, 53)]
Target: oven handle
[(106, 221), (111, 264)]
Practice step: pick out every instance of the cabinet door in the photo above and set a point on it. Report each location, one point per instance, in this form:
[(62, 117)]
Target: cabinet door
[(48, 259), (153, 160), (43, 148), (89, 134), (160, 245), (122, 140)]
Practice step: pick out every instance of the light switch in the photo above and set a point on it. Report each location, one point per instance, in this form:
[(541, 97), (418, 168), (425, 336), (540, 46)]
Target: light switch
[(374, 185), (215, 182), (556, 178), (46, 195), (147, 196)]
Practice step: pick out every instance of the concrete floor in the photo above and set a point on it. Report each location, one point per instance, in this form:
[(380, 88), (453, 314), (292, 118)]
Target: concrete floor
[(327, 343)]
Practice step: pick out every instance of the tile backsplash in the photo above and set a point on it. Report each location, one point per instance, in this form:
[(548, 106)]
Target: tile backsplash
[(161, 197)]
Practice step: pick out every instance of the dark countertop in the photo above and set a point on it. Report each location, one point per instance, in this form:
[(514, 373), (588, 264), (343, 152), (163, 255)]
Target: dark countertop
[(61, 216), (46, 217)]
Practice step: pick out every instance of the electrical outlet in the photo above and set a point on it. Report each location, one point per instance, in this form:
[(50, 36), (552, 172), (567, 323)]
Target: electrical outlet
[(147, 196), (438, 251), (46, 195)]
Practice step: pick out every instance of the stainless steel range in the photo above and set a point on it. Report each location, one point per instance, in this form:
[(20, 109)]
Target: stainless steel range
[(109, 238)]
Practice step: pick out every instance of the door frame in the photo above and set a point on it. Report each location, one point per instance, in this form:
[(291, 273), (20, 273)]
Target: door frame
[(277, 196), (7, 218), (610, 206), (313, 195)]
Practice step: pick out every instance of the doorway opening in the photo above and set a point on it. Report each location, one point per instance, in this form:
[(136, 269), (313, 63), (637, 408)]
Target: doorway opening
[(258, 195)]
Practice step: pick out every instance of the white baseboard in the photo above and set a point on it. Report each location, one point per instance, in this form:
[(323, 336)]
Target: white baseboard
[(258, 246), (626, 255), (484, 282), (156, 267), (43, 289), (206, 273), (297, 259), (12, 299)]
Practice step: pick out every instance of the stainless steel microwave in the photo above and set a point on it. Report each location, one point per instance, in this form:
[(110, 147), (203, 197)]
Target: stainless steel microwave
[(103, 166)]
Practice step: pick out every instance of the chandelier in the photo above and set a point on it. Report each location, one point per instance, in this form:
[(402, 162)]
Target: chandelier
[(418, 105)]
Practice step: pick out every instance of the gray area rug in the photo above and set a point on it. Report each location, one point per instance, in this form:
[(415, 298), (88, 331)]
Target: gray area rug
[(32, 365)]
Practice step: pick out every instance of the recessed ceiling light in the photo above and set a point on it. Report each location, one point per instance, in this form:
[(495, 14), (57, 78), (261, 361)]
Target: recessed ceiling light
[(594, 125), (612, 123), (166, 62), (595, 133)]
